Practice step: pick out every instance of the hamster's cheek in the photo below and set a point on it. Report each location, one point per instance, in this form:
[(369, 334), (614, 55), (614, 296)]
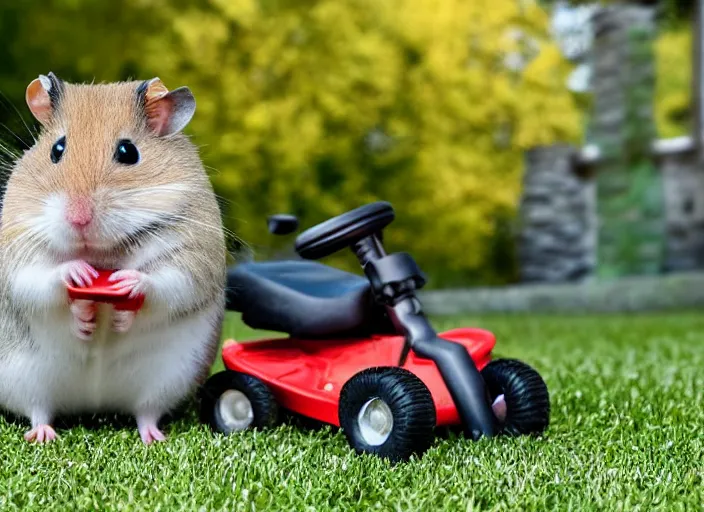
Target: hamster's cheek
[(53, 225)]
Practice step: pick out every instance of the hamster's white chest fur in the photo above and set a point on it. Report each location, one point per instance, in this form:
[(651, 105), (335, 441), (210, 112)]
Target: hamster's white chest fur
[(146, 368)]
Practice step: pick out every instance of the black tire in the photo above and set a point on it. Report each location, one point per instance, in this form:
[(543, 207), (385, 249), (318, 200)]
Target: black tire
[(525, 392), (410, 405), (263, 404)]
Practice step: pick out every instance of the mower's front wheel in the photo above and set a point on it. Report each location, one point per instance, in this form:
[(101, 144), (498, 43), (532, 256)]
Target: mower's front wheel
[(525, 394), (232, 401), (388, 412)]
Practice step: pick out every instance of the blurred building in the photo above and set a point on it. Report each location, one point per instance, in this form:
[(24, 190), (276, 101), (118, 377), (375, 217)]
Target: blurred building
[(626, 203), (571, 26)]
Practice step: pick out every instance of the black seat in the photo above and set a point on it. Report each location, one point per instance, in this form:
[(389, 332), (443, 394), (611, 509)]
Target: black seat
[(304, 299)]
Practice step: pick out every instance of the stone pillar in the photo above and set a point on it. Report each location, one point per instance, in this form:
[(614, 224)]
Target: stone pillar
[(557, 216), (698, 75), (629, 189), (683, 183)]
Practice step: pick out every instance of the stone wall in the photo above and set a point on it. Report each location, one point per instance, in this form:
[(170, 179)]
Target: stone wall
[(629, 187), (643, 210), (630, 294), (683, 185), (557, 218), (558, 237)]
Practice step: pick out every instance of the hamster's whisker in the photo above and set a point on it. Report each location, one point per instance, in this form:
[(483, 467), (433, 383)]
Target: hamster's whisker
[(136, 237), (217, 228), (25, 246), (194, 196), (225, 200), (127, 194), (7, 101), (32, 233), (26, 220), (193, 193), (22, 141), (187, 220), (7, 150), (14, 223), (19, 238), (107, 226)]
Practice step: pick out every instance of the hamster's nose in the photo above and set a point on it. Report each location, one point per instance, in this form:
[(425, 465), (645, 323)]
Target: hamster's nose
[(79, 212)]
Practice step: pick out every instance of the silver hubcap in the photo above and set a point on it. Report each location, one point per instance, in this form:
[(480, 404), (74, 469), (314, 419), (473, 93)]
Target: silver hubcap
[(233, 411), (375, 422)]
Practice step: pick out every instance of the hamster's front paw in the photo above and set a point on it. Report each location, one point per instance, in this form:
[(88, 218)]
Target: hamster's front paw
[(122, 320), (77, 273), (132, 281), (84, 319)]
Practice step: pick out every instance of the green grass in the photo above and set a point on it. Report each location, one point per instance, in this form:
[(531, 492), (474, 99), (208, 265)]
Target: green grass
[(628, 416)]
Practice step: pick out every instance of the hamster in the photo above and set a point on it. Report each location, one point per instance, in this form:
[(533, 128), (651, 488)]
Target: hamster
[(111, 183)]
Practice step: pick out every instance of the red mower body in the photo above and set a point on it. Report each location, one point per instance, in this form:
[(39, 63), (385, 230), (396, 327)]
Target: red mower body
[(306, 376)]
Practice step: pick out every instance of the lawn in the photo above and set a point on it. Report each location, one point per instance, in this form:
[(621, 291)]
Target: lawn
[(628, 416)]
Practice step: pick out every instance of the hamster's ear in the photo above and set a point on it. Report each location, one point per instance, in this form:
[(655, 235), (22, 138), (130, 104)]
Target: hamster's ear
[(43, 96), (167, 112)]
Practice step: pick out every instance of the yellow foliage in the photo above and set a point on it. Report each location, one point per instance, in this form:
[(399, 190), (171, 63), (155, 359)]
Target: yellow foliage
[(673, 51), (296, 90)]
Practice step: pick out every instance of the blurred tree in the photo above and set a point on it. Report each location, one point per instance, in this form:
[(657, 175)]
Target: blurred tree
[(314, 107), (677, 12)]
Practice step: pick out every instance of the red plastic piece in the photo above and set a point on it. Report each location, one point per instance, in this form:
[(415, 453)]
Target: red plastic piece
[(306, 376), (102, 291)]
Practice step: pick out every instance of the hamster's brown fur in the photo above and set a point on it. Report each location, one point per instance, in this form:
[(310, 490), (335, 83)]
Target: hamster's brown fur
[(156, 220)]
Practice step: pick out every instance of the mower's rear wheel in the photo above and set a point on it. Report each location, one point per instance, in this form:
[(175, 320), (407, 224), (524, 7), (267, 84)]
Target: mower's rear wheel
[(232, 401), (388, 412), (524, 392)]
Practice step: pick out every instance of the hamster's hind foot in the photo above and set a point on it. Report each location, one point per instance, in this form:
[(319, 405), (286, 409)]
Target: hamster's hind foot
[(148, 430), (122, 320), (84, 321), (41, 434)]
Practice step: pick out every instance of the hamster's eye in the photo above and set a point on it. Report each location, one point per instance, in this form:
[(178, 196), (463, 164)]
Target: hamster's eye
[(126, 152), (57, 150)]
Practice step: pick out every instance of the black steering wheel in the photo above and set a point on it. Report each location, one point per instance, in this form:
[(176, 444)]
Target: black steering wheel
[(344, 230)]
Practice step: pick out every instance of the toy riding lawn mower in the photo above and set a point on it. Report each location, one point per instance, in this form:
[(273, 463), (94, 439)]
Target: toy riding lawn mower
[(361, 354)]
